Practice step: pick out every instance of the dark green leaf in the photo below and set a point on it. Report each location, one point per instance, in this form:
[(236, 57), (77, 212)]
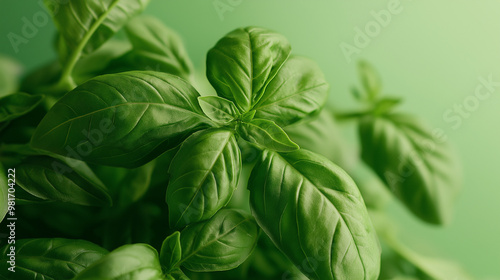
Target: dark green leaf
[(314, 213), (18, 104), (266, 135), (203, 176), (242, 64), (86, 25), (298, 90), (137, 261), (218, 109), (221, 243), (419, 169), (49, 179), (370, 80), (124, 119), (154, 47), (49, 259), (171, 251)]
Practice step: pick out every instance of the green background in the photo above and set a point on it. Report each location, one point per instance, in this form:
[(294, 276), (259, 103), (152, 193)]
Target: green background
[(432, 54)]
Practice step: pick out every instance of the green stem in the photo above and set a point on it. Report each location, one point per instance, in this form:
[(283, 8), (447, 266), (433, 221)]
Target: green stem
[(66, 79), (350, 115)]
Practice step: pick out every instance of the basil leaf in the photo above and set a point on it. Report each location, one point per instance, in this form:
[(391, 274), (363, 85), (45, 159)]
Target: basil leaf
[(49, 179), (85, 25), (4, 200), (10, 71), (98, 62), (385, 105), (171, 251), (370, 80), (154, 47), (177, 274), (323, 136), (203, 176), (134, 224), (242, 64), (266, 135), (303, 199), (123, 120), (49, 259), (218, 109), (221, 243), (298, 90), (18, 104), (418, 169), (137, 261)]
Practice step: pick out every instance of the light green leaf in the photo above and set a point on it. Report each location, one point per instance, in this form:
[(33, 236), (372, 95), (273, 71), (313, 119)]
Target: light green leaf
[(137, 261), (17, 104), (242, 64), (85, 25), (203, 176), (218, 109), (171, 251), (49, 259), (3, 193), (124, 119), (418, 168), (298, 90), (48, 179), (370, 80), (10, 72), (154, 47), (221, 243), (313, 212), (266, 135), (385, 105)]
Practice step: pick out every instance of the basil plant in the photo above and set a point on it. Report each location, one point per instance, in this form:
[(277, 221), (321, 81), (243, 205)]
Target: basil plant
[(128, 165)]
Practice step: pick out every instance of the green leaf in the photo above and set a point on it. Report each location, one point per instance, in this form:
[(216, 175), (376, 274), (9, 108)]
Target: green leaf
[(218, 109), (313, 212), (370, 80), (86, 24), (10, 71), (266, 135), (3, 193), (418, 168), (98, 62), (124, 119), (17, 104), (385, 105), (221, 243), (298, 90), (171, 251), (323, 136), (137, 261), (177, 274), (49, 259), (49, 179), (203, 176), (154, 47), (242, 64)]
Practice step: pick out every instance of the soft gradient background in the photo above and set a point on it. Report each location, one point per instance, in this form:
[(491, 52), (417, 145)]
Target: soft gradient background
[(432, 54)]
